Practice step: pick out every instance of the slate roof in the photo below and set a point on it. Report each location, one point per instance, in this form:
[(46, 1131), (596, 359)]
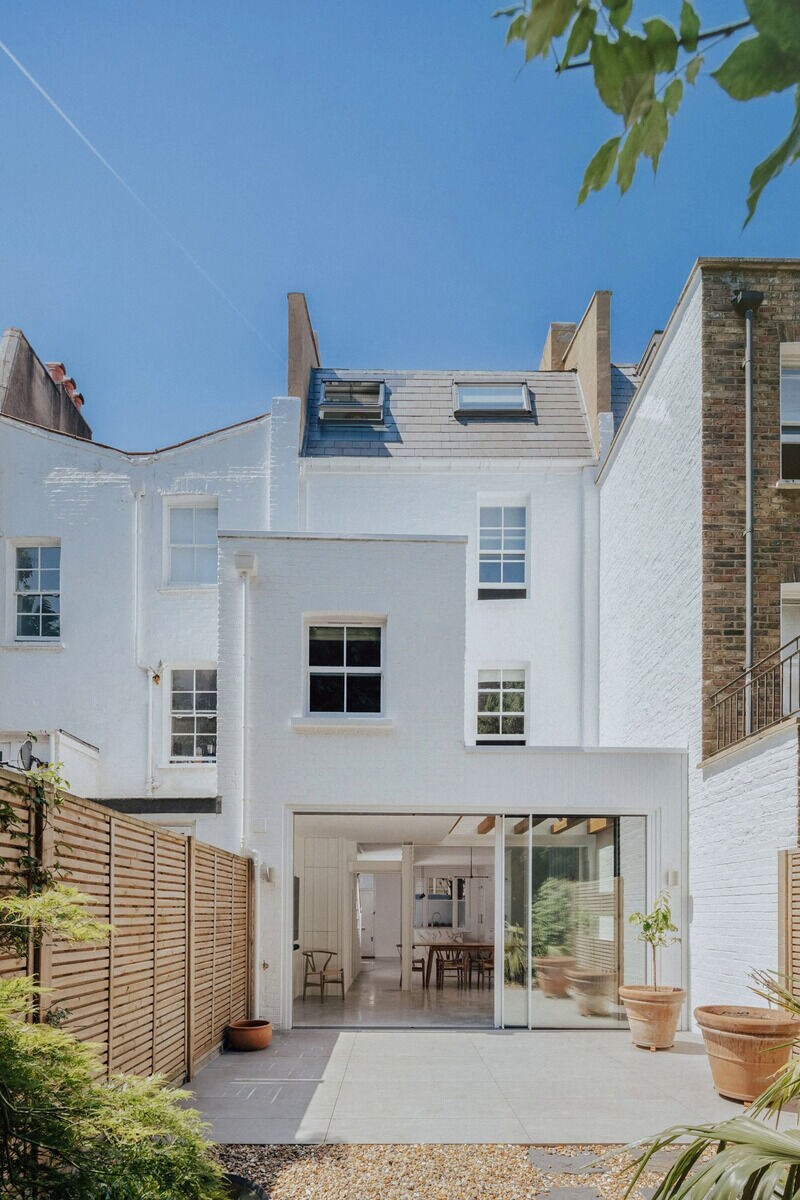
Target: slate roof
[(623, 385), (420, 422)]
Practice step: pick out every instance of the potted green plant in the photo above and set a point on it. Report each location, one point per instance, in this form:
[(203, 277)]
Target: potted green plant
[(653, 1011), (552, 932)]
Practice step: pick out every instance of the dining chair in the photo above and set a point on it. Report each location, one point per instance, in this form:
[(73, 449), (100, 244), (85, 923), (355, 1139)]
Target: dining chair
[(450, 961), (417, 964), (314, 964)]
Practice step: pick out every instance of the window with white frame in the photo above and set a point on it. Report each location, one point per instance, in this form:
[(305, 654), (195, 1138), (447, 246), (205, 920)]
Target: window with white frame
[(503, 534), (37, 590), (192, 544), (345, 669), (492, 399), (501, 705), (790, 410), (193, 715)]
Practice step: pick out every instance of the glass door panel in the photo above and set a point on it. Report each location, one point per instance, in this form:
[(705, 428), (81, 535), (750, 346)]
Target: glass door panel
[(570, 884), (516, 923)]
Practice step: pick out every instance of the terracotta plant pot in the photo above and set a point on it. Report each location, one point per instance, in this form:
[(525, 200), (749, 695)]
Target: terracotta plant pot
[(653, 1014), (746, 1046), (249, 1035), (551, 973), (590, 989)]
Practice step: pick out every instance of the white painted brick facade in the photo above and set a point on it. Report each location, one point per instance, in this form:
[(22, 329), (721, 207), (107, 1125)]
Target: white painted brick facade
[(744, 809)]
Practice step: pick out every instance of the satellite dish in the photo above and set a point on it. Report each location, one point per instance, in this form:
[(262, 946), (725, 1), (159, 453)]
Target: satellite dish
[(26, 754)]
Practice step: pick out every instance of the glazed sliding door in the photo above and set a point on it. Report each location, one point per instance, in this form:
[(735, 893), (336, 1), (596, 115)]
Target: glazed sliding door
[(570, 884)]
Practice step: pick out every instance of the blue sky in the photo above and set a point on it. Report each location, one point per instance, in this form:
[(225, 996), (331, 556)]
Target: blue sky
[(390, 160)]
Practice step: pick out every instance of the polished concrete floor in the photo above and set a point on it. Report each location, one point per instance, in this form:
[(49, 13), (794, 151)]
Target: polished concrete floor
[(408, 1086), (374, 1001)]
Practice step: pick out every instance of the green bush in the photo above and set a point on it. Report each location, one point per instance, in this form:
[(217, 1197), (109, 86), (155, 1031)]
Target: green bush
[(66, 1134)]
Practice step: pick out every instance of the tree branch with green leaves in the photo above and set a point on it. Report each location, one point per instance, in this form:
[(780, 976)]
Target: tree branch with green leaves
[(640, 74)]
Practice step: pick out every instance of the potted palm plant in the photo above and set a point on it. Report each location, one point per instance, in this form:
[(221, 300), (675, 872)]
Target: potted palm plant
[(652, 1010), (751, 1157)]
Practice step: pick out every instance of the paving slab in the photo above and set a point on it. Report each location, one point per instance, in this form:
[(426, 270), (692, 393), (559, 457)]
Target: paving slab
[(443, 1086)]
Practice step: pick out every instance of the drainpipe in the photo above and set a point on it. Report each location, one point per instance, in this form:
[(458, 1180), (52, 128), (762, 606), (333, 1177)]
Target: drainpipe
[(138, 497), (245, 564), (746, 304)]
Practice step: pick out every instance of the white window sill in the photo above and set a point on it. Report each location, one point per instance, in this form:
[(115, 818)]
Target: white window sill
[(44, 644), (168, 588), (788, 485), (341, 724), (210, 763)]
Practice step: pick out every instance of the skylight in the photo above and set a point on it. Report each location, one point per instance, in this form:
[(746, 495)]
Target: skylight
[(492, 399)]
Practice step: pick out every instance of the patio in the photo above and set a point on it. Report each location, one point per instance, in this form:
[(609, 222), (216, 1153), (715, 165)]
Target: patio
[(408, 1086)]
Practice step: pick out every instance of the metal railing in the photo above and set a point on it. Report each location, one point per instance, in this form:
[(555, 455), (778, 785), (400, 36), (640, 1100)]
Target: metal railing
[(760, 697)]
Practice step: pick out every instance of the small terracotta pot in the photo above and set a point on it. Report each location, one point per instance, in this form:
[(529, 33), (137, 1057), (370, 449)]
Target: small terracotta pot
[(746, 1046), (590, 989), (551, 973), (653, 1014), (249, 1035)]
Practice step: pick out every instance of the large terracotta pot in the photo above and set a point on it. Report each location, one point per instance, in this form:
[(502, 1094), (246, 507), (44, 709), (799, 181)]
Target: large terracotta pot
[(590, 989), (249, 1035), (746, 1046), (653, 1014), (551, 973)]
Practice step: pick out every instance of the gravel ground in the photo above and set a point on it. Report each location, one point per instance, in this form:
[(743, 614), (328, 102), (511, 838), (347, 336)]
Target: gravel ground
[(344, 1172)]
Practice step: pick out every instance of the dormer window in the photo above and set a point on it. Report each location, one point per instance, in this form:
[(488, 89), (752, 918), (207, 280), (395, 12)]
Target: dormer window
[(492, 399), (352, 401)]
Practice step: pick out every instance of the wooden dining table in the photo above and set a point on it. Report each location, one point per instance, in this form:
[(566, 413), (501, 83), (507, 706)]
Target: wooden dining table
[(432, 947)]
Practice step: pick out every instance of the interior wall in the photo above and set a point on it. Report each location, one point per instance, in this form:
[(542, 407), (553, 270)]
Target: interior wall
[(387, 915), (326, 902)]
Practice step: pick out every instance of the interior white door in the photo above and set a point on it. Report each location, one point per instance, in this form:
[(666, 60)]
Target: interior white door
[(366, 933)]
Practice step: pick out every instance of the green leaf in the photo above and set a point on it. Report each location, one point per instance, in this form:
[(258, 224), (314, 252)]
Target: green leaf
[(516, 29), (508, 12), (783, 155), (673, 96), (654, 133), (624, 75), (599, 169), (546, 20), (779, 20), (689, 27), (756, 67), (580, 35), (693, 68), (628, 158), (662, 43), (618, 12)]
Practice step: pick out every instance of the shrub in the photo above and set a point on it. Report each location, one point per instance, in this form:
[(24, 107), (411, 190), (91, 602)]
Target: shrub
[(66, 1134)]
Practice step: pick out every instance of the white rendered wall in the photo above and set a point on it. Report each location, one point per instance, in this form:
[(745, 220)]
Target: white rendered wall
[(419, 761), (94, 682), (543, 632)]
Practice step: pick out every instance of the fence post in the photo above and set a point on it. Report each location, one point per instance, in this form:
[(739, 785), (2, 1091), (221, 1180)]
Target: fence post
[(250, 967), (785, 965), (190, 906), (112, 874)]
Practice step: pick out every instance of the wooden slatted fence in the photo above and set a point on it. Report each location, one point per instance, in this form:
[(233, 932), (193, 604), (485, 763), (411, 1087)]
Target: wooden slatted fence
[(177, 967)]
